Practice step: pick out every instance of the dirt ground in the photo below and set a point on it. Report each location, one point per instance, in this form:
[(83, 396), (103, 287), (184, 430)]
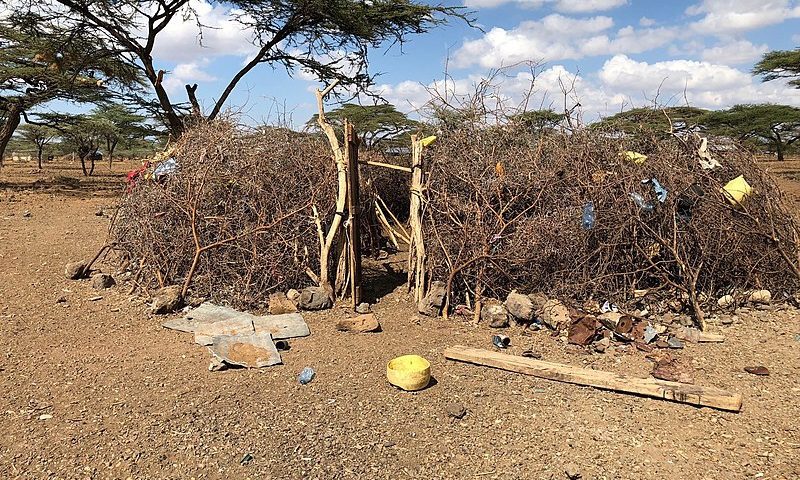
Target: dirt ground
[(96, 388)]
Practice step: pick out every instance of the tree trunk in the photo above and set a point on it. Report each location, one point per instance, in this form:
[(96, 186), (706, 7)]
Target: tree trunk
[(14, 114), (39, 156), (83, 164)]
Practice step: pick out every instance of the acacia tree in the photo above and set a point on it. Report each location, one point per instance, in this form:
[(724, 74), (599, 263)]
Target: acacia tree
[(39, 135), (775, 126), (780, 64), (327, 38), (117, 124), (539, 121), (653, 121), (41, 62), (374, 124)]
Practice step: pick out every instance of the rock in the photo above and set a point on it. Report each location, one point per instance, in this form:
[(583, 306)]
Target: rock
[(759, 370), (520, 307), (315, 298), (572, 472), (99, 212), (26, 214), (760, 297), (61, 299), (685, 320), (496, 314), (363, 308), (538, 299), (101, 281), (555, 313), (456, 410), (280, 304), (725, 301), (293, 295), (76, 270), (669, 368), (727, 320), (432, 304), (610, 317), (602, 345), (360, 324), (166, 300)]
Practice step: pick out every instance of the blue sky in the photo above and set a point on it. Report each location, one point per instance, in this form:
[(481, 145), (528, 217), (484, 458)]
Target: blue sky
[(617, 54)]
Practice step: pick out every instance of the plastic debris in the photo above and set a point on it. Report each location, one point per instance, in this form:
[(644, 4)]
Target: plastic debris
[(737, 191), (650, 333), (306, 375), (641, 203), (246, 459), (706, 161), (673, 342), (634, 157), (589, 216), (501, 341), (428, 140), (661, 192), (167, 167), (609, 307)]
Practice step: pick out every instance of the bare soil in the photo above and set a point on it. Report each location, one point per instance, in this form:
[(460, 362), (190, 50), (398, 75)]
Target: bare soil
[(96, 388)]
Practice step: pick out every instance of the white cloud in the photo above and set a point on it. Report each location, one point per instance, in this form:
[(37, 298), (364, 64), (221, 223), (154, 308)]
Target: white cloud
[(181, 40), (570, 6), (646, 22), (557, 37), (724, 17), (187, 73), (734, 53)]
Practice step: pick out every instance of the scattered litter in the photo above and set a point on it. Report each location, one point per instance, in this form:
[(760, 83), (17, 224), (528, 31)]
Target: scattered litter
[(427, 141), (759, 370), (634, 157), (282, 345), (94, 299), (167, 167), (246, 459), (583, 331), (26, 214), (45, 416), (737, 191), (306, 375), (531, 354), (250, 351), (650, 333), (673, 342), (609, 307), (661, 192), (589, 216), (501, 341), (641, 203), (706, 161), (409, 372)]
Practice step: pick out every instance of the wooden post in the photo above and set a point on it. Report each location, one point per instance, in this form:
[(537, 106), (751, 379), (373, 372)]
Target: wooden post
[(416, 250), (353, 207)]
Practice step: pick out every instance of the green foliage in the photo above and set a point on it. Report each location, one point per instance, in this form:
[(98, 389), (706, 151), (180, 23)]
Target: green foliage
[(374, 124), (775, 127), (329, 39), (780, 64), (39, 136), (652, 122), (539, 121)]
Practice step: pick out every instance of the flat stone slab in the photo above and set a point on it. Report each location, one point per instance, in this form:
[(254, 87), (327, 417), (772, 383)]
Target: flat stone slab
[(250, 351), (207, 333), (290, 325)]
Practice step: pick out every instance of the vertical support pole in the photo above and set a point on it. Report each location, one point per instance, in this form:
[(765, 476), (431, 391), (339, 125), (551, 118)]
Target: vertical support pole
[(353, 207), (416, 250)]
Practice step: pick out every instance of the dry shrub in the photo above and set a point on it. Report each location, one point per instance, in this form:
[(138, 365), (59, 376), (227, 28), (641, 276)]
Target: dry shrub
[(505, 209), (250, 193)]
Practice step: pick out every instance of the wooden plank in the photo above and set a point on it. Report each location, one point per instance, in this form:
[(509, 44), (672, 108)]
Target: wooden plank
[(386, 165), (650, 387), (354, 209)]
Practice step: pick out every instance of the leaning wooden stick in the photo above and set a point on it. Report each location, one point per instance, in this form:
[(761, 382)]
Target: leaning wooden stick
[(649, 387)]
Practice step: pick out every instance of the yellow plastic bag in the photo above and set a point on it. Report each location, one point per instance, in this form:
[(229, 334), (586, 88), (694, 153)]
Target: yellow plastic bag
[(737, 190), (637, 158), (428, 140)]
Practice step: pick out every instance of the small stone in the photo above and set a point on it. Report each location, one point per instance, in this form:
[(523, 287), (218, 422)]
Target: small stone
[(26, 214), (572, 472), (99, 212), (602, 345), (759, 370), (315, 298), (75, 270), (45, 416), (101, 281), (61, 299), (685, 320), (520, 307), (280, 304), (166, 300), (555, 313), (293, 295), (363, 308), (456, 410), (495, 314), (432, 304), (760, 297), (725, 301), (361, 324), (673, 342)]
